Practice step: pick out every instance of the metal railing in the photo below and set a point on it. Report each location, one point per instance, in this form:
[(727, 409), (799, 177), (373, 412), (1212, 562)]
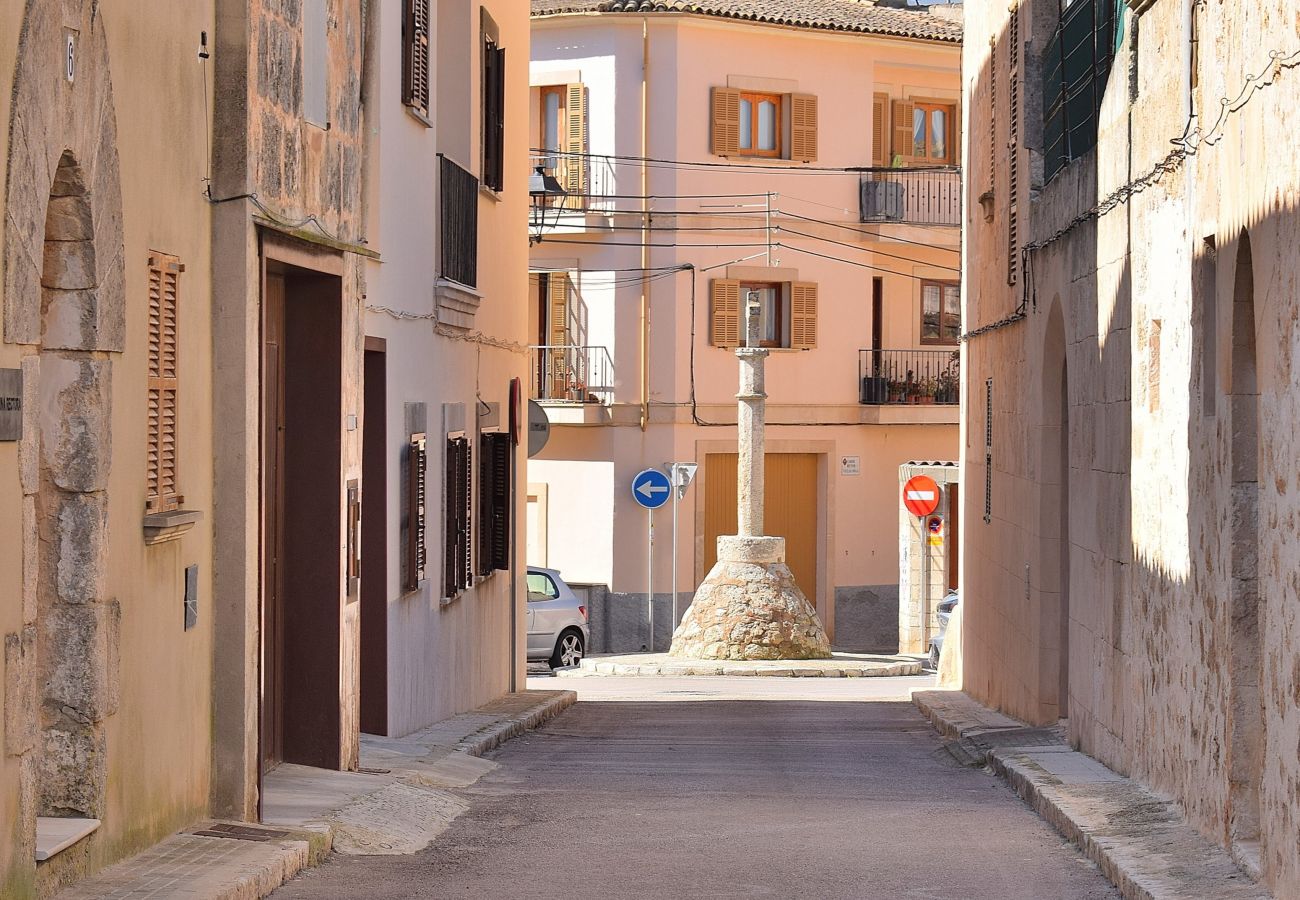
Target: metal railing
[(918, 196), (898, 377), (573, 374), (459, 224), (589, 180)]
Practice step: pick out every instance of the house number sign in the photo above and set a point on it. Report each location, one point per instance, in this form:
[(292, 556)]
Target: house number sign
[(11, 404), (70, 56)]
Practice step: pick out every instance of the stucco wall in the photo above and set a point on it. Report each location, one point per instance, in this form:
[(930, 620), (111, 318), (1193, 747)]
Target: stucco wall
[(157, 741), (1145, 327)]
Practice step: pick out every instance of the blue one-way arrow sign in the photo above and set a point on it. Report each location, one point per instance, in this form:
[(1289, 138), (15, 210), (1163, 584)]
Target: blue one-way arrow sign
[(651, 489)]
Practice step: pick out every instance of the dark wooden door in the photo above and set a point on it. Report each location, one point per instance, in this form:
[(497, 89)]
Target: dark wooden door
[(374, 544), (954, 526), (272, 711)]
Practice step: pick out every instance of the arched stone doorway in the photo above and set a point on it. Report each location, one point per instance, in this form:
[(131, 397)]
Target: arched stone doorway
[(1246, 715), (64, 307)]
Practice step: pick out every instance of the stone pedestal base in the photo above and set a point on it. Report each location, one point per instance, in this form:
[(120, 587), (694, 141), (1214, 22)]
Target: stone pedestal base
[(750, 608)]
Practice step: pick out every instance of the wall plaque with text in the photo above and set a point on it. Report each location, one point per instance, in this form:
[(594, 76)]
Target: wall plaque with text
[(11, 404)]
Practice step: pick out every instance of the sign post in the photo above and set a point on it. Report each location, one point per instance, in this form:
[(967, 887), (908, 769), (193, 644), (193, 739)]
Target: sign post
[(681, 475), (921, 498), (650, 489)]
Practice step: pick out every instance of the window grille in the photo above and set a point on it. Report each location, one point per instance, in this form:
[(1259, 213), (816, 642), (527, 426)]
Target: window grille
[(1076, 65)]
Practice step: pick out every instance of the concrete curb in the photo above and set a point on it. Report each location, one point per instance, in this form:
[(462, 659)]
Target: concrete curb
[(228, 868), (1139, 840), (661, 665)]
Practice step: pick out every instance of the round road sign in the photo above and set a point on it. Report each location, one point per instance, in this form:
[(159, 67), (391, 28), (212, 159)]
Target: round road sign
[(651, 488), (921, 495)]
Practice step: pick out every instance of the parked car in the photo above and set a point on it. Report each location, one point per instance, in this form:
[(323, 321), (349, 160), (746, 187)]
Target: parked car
[(943, 612), (557, 620)]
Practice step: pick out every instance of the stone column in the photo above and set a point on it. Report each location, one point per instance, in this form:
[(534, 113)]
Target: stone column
[(751, 416)]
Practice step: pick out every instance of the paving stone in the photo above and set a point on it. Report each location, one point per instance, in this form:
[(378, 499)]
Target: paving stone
[(841, 665)]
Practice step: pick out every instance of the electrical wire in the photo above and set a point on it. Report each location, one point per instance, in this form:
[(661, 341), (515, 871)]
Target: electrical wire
[(659, 162)]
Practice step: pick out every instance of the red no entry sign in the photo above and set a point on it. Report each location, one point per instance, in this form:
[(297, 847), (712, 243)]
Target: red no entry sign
[(921, 495)]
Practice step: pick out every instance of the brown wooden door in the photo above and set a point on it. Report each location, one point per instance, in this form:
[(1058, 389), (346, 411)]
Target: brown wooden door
[(272, 645), (790, 509), (954, 523), (374, 545)]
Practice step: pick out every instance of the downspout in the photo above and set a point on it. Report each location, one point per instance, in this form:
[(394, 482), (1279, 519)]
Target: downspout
[(645, 224)]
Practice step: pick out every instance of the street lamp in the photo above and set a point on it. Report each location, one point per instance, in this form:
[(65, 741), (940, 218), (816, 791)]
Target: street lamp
[(542, 190)]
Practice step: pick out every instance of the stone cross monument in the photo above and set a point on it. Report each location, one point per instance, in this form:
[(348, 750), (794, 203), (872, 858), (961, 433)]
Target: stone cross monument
[(749, 607)]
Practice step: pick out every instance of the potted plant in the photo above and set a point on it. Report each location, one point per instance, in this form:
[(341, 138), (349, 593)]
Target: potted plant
[(926, 390), (577, 390), (897, 391), (948, 388)]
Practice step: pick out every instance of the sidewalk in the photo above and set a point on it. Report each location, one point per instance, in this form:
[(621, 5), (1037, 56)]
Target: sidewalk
[(1139, 840), (397, 803)]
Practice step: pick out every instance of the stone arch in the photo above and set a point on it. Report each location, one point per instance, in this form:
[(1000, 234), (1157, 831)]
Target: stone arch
[(1054, 520), (1246, 715), (64, 306)]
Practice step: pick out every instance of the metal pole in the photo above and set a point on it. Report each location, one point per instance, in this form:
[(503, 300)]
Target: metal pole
[(676, 496), (649, 578), (925, 584)]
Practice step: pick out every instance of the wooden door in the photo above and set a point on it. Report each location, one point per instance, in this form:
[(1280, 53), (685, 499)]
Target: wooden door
[(790, 509), (272, 644), (374, 543), (954, 523)]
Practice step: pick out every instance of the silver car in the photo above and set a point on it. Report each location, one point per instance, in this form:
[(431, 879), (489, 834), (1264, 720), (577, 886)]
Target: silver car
[(942, 612), (557, 620)]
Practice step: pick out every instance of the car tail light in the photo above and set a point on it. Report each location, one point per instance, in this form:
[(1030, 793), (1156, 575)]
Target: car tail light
[(582, 611)]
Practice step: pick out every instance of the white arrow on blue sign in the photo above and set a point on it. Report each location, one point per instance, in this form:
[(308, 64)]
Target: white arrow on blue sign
[(651, 489)]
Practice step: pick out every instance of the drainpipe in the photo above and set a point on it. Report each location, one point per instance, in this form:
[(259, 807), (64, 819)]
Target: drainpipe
[(645, 224)]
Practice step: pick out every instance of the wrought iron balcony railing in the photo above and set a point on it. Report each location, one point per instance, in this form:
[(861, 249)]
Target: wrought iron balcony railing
[(588, 180), (919, 196), (895, 377), (573, 374)]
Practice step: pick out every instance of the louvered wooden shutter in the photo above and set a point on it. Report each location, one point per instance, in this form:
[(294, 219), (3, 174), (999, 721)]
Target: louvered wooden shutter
[(494, 502), (557, 302), (1013, 148), (880, 130), (458, 572), (494, 116), (575, 144), (724, 330), (803, 315), (415, 59), (415, 560), (161, 479), (803, 127), (904, 144), (725, 105)]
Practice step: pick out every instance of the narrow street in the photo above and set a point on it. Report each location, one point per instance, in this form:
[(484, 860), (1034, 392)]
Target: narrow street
[(729, 787)]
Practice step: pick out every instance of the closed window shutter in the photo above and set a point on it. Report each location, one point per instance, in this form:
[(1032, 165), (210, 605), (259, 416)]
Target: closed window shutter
[(415, 559), (803, 315), (724, 330), (415, 60), (494, 115), (726, 121), (903, 142), (803, 127), (494, 502), (880, 130), (458, 562), (575, 142), (161, 477), (1013, 150), (557, 291)]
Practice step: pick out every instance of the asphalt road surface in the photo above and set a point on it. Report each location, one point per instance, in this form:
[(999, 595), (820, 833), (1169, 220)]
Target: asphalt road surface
[(729, 788)]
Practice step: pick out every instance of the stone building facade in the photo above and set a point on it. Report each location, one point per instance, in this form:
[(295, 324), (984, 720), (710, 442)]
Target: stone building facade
[(1129, 496), (106, 458), (288, 245)]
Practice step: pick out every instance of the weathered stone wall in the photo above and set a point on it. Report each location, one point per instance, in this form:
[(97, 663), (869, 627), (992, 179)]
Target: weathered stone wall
[(1134, 312)]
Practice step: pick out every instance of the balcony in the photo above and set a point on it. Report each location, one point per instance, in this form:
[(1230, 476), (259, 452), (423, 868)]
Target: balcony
[(588, 180), (917, 196), (572, 376), (909, 377)]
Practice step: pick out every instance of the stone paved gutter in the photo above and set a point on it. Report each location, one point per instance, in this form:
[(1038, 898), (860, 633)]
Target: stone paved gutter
[(398, 804), (843, 665), (1139, 840)]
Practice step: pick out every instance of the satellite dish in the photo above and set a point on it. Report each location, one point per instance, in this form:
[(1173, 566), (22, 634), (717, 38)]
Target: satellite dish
[(539, 428)]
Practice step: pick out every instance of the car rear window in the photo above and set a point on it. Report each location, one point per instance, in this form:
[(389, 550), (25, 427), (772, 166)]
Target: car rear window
[(541, 587)]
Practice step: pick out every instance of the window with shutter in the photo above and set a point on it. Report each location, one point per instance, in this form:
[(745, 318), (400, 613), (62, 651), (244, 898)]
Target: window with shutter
[(162, 492), (724, 297), (415, 58), (725, 136), (803, 128), (494, 502), (803, 316), (880, 130), (414, 560), (493, 102), (575, 144), (458, 571), (903, 139), (1013, 149)]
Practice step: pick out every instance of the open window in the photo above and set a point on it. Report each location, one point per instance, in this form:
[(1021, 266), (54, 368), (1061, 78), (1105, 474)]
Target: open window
[(760, 124), (787, 313)]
